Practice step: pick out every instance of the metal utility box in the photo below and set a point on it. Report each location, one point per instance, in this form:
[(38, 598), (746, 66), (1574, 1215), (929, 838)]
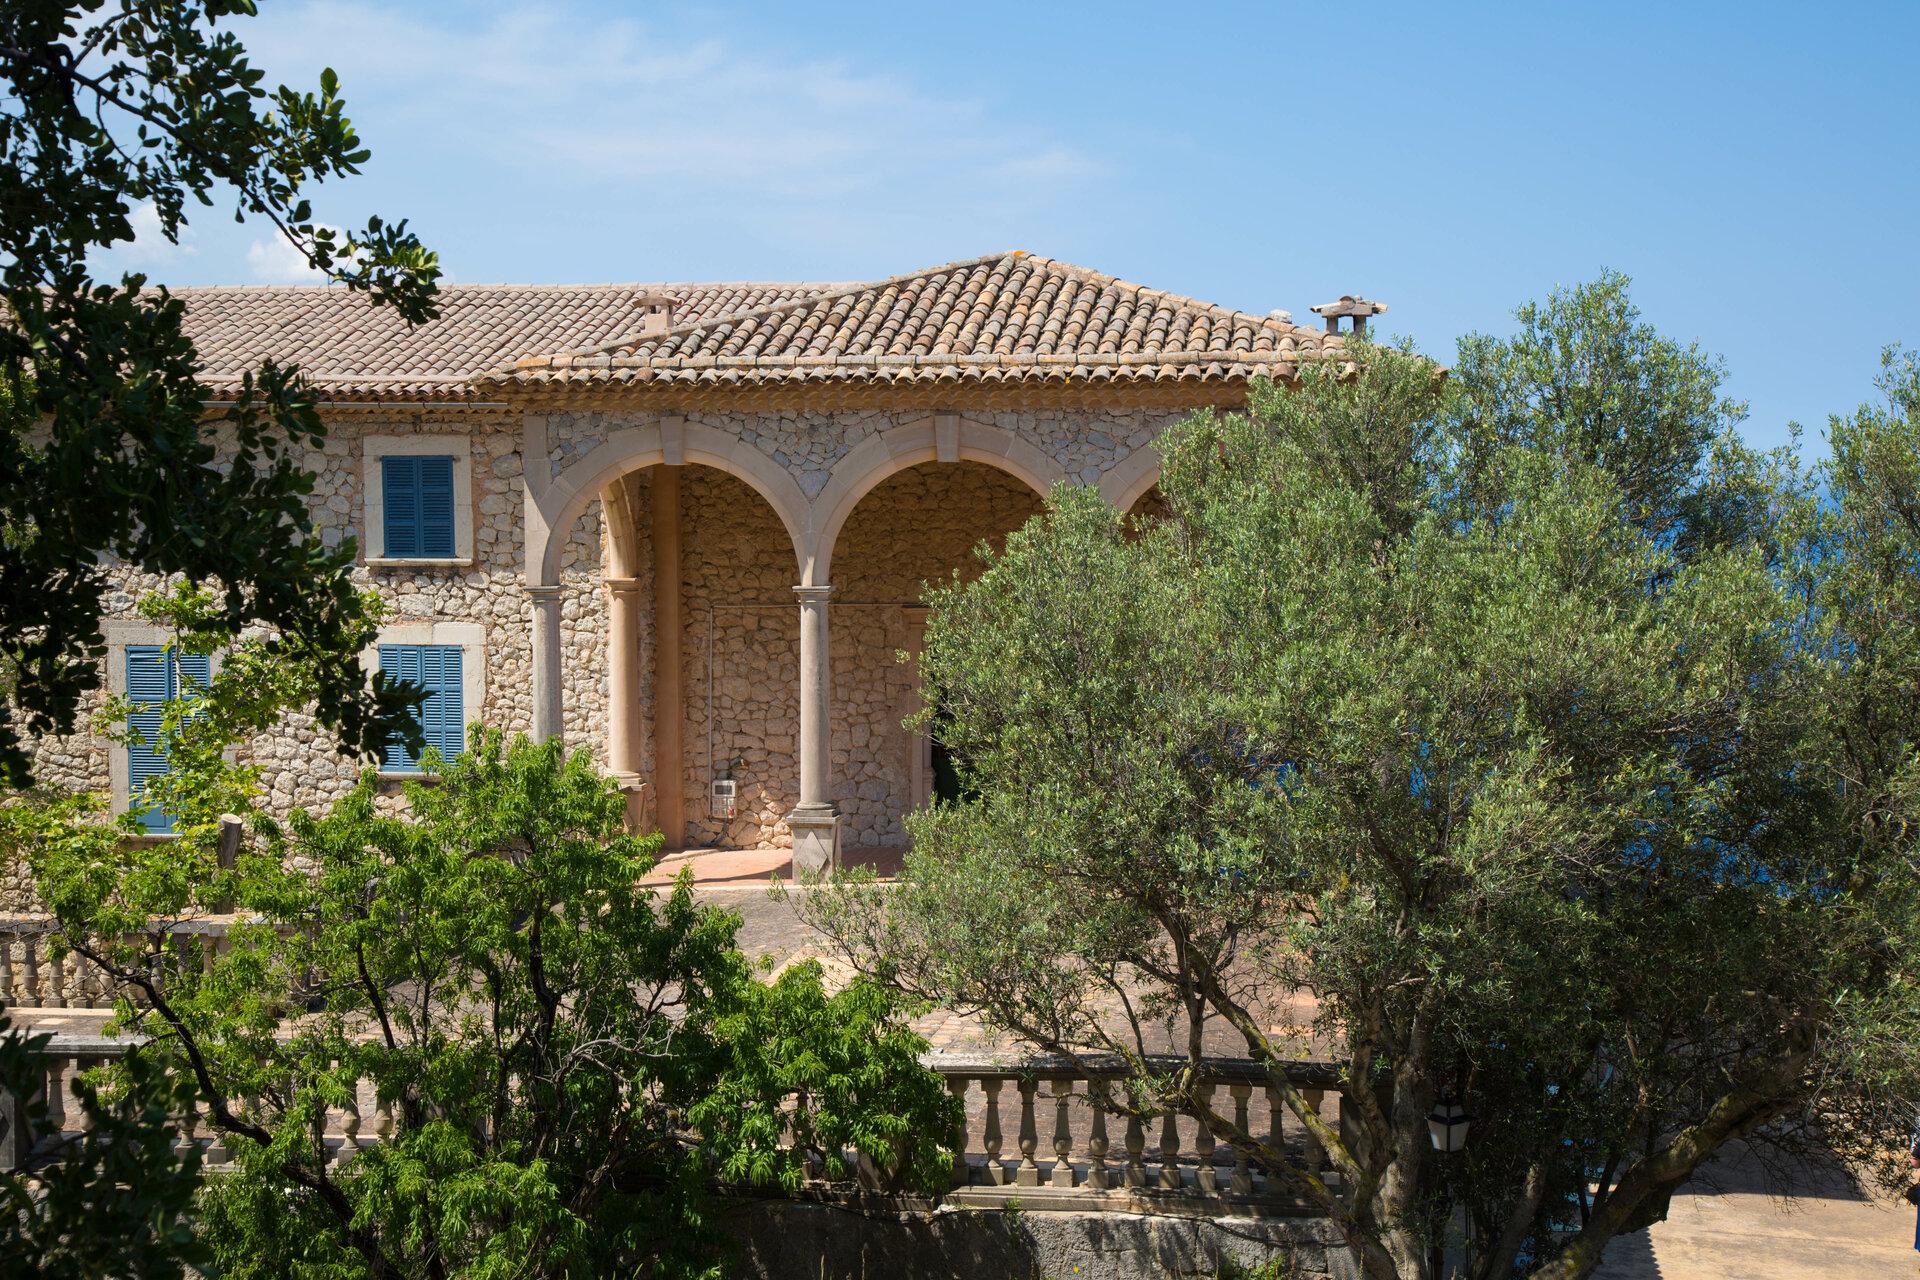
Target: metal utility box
[(725, 794)]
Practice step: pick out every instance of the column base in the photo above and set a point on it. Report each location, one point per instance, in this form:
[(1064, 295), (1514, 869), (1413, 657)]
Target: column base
[(634, 788), (816, 839)]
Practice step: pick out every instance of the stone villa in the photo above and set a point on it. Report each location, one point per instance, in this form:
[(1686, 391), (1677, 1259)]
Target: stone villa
[(687, 526)]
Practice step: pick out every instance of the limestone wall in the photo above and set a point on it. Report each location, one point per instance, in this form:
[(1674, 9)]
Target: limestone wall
[(741, 664), (919, 526), (737, 568)]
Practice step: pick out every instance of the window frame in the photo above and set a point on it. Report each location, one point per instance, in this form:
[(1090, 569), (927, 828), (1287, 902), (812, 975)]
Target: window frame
[(120, 636), (373, 533), (468, 637)]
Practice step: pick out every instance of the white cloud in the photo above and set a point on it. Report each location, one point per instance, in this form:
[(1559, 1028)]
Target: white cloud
[(276, 261), (148, 251), (588, 106)]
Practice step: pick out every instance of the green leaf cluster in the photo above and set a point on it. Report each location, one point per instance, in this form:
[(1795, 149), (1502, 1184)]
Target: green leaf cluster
[(114, 446), (1509, 732), (568, 1063)]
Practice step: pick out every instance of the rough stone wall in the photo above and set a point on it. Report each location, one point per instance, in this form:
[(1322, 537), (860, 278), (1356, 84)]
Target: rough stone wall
[(914, 526), (918, 526), (737, 560), (790, 1240), (809, 445), (299, 764)]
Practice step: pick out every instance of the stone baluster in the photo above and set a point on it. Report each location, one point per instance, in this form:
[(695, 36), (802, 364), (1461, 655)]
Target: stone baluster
[(56, 1094), (7, 998), (1136, 1171), (217, 1151), (1099, 1178), (349, 1124), (1029, 1171), (56, 980), (995, 1172), (1062, 1133), (1276, 1131), (30, 970), (83, 1121), (1169, 1151), (189, 1128), (957, 1086), (1315, 1153), (383, 1119), (1205, 1176), (82, 980), (1242, 1180)]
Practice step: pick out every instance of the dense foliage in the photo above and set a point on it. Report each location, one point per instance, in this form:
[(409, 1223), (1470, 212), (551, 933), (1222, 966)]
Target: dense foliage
[(1547, 746), (108, 445), (112, 1201), (568, 1063)]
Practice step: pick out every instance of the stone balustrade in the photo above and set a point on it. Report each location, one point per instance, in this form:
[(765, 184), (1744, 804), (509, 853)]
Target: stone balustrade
[(33, 977), (1041, 1133), (1096, 1158)]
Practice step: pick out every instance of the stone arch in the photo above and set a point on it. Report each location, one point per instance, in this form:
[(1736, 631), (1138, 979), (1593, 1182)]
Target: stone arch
[(566, 499), (1136, 473), (890, 452)]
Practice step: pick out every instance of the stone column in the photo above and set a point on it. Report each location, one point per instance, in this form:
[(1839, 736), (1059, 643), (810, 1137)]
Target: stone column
[(920, 745), (623, 690), (669, 706), (815, 823), (548, 716)]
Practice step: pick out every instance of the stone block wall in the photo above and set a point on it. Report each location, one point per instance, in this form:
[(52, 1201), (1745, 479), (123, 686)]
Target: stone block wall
[(737, 561)]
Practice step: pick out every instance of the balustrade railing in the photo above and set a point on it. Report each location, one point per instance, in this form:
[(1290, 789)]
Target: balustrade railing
[(32, 976), (1094, 1158), (1183, 1169)]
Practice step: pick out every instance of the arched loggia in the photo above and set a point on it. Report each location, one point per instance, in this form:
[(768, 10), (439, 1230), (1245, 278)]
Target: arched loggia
[(938, 438)]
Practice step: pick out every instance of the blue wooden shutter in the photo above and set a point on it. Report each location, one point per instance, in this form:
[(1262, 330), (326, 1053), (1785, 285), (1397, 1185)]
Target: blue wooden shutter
[(436, 506), (442, 717), (400, 491), (418, 494), (193, 672), (147, 684), (156, 676)]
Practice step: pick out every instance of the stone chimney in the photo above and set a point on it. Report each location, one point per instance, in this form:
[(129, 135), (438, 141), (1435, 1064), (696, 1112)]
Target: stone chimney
[(658, 311), (1358, 308)]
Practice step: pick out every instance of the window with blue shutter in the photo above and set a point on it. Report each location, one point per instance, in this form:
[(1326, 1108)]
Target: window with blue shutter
[(443, 722), (156, 675), (418, 495)]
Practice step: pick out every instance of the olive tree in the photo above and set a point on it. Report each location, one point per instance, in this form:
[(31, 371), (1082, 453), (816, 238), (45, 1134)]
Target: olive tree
[(1489, 718)]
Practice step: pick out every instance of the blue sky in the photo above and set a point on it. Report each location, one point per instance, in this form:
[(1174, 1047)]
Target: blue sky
[(1750, 166)]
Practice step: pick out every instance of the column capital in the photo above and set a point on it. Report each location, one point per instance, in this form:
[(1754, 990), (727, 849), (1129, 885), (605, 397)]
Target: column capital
[(543, 595), (622, 586), (813, 595)]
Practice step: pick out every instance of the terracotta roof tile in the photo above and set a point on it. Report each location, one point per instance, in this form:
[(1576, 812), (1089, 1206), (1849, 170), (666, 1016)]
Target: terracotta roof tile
[(1008, 317), (353, 350)]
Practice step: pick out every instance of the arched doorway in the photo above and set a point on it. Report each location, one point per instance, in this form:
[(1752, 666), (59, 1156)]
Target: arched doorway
[(705, 567), (919, 525)]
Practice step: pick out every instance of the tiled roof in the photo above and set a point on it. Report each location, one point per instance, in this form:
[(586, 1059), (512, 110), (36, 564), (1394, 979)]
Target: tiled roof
[(354, 350), (1009, 318)]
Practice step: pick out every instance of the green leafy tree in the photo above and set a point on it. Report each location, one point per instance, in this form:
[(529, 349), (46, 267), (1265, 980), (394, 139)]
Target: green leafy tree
[(569, 1060), (113, 1200), (1487, 718), (110, 104)]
